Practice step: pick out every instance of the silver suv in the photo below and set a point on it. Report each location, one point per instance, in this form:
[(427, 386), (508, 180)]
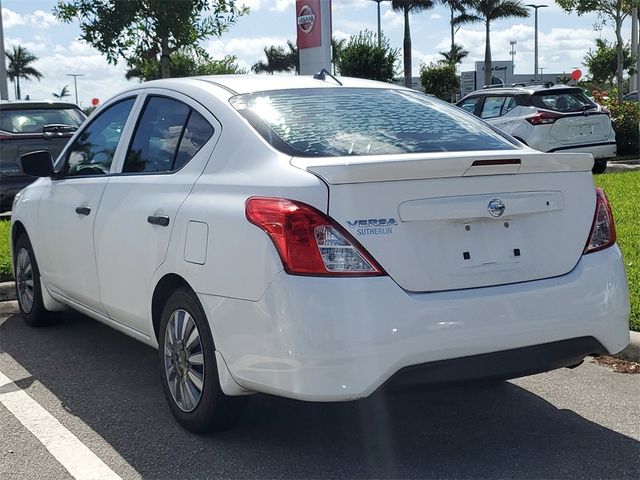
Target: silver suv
[(548, 118)]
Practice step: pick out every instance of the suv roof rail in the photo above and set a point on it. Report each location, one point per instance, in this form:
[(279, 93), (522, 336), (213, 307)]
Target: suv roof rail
[(521, 84)]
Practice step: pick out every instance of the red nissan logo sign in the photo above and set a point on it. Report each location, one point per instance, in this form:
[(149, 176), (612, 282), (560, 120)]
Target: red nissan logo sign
[(306, 19)]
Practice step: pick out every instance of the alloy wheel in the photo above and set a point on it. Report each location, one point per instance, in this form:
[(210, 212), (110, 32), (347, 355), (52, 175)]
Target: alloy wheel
[(24, 280), (184, 360)]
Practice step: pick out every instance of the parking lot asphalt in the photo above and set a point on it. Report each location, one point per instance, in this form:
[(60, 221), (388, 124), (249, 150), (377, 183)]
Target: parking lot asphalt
[(104, 388)]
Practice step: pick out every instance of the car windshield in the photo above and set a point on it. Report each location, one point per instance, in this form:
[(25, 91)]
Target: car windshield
[(563, 101), (33, 120), (328, 122)]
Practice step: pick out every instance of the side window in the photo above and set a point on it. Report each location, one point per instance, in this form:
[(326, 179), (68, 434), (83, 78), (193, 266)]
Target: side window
[(197, 132), (470, 105), (168, 134), (492, 107), (92, 151), (509, 105)]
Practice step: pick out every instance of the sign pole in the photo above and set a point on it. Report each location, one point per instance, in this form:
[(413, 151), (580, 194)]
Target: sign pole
[(313, 26)]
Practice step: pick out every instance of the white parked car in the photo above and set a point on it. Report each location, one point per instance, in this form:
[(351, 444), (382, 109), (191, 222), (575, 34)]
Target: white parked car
[(315, 238), (548, 118)]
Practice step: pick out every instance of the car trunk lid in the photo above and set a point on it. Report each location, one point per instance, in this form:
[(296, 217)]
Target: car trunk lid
[(462, 220)]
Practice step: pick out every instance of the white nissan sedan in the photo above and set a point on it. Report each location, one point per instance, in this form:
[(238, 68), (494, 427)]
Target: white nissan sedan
[(316, 238)]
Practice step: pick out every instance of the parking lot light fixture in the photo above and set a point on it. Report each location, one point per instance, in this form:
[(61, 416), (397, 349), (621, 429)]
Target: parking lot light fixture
[(535, 66)]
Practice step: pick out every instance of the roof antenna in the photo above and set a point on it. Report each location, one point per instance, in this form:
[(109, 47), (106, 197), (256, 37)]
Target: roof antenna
[(322, 75)]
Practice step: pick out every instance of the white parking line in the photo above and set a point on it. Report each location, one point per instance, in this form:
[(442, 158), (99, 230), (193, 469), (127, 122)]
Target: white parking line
[(65, 447)]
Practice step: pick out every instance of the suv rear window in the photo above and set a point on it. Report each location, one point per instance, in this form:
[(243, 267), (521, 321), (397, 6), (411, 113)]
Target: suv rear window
[(33, 120), (327, 122), (573, 100)]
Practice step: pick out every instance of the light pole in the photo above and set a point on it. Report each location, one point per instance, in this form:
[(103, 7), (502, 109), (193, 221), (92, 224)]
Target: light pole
[(513, 44), (379, 25), (535, 67), (75, 82), (4, 91)]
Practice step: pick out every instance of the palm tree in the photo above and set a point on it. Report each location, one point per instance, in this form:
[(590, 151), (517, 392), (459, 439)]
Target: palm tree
[(63, 93), (19, 66), (278, 60), (487, 11), (459, 15), (407, 7), (455, 55)]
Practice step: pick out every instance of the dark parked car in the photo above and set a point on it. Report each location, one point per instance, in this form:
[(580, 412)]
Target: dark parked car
[(632, 97), (27, 126)]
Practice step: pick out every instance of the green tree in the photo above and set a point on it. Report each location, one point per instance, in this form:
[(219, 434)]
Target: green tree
[(458, 17), (362, 57), (279, 60), (138, 30), (20, 60), (184, 63), (607, 10), (407, 7), (440, 79), (63, 93), (603, 62), (455, 55), (487, 11)]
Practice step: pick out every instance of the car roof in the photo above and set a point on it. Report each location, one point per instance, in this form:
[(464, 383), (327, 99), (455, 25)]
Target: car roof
[(22, 104), (524, 89), (239, 84)]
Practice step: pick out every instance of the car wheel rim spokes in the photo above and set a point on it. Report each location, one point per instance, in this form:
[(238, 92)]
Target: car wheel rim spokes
[(184, 360), (25, 280)]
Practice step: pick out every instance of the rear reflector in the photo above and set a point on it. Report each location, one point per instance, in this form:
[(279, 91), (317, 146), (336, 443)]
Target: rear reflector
[(308, 241), (543, 118), (603, 229)]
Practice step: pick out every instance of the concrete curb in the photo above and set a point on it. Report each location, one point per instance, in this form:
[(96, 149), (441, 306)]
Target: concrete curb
[(7, 291), (631, 353)]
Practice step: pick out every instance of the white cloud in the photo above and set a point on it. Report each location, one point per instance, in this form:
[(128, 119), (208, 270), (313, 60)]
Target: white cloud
[(11, 19), (435, 16), (36, 48), (38, 19), (250, 48), (41, 19), (282, 5), (392, 19), (254, 5)]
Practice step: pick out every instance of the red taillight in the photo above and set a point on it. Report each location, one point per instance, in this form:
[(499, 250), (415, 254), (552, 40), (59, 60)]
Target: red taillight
[(603, 229), (308, 241), (543, 118)]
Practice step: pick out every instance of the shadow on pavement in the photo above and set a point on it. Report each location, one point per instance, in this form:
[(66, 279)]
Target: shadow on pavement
[(112, 383)]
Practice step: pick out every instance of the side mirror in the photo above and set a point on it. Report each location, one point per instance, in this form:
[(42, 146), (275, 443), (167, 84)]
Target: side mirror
[(37, 164)]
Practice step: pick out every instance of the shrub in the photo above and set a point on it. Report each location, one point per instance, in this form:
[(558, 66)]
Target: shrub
[(363, 58), (625, 118), (440, 79)]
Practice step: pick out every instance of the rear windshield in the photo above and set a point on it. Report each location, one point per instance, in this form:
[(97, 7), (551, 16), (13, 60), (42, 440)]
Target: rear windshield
[(563, 101), (329, 122), (33, 120)]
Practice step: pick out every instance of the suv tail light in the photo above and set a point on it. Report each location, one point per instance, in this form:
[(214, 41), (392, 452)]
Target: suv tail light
[(308, 241), (543, 118), (603, 229)]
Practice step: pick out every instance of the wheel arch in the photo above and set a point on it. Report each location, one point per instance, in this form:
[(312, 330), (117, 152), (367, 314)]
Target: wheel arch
[(164, 287), (16, 230)]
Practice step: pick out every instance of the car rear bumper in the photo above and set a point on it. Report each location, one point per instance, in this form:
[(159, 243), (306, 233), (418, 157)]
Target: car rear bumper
[(599, 151), (327, 339)]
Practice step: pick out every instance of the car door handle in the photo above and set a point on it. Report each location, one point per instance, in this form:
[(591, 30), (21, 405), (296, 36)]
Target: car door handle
[(83, 210), (161, 220)]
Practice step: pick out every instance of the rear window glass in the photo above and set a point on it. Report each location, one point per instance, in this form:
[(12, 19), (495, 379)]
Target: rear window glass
[(34, 120), (330, 122), (563, 101)]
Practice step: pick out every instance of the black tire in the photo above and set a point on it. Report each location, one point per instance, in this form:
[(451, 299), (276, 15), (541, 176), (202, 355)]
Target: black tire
[(599, 166), (28, 285), (214, 410)]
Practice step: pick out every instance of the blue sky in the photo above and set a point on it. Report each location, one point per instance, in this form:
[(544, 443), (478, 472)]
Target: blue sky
[(564, 39)]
